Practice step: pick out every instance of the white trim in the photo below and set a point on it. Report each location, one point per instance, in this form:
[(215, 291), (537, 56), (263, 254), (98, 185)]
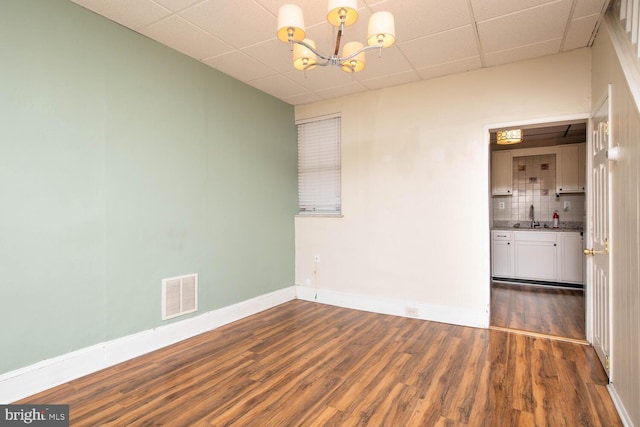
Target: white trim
[(624, 52), (617, 402), (43, 375), (317, 118), (436, 313), (537, 122)]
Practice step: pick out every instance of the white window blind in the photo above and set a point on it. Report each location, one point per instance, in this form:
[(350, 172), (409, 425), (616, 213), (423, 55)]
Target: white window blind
[(319, 166)]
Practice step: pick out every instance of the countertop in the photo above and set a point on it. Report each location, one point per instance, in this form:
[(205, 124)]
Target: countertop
[(576, 230), (525, 226)]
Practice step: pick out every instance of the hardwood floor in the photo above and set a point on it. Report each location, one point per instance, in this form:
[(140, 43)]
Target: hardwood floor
[(308, 364), (551, 311)]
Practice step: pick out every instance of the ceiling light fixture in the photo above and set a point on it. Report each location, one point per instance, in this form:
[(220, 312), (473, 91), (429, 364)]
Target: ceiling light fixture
[(511, 136), (341, 13)]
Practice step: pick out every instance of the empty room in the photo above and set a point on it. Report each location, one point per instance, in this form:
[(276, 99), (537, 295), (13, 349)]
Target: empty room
[(282, 212)]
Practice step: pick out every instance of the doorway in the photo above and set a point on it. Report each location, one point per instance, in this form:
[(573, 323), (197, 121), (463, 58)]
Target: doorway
[(537, 218)]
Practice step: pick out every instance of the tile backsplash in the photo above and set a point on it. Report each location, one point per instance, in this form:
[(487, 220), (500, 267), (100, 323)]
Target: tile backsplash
[(534, 183)]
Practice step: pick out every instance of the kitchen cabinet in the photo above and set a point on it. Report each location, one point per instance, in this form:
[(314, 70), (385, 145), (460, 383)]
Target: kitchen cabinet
[(501, 254), (570, 168), (582, 169), (548, 256), (535, 255), (571, 260), (502, 173)]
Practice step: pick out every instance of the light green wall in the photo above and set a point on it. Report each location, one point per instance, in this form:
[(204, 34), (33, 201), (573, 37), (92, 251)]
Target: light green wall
[(123, 162)]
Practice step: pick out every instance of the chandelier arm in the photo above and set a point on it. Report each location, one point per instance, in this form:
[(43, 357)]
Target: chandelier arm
[(339, 38), (320, 64), (312, 49), (353, 55)]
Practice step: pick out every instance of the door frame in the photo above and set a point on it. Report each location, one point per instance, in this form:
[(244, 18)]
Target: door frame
[(527, 122)]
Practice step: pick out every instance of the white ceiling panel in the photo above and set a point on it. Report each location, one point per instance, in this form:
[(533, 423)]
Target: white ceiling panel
[(306, 98), (242, 66), (320, 78), (529, 26), (580, 32), (278, 85), (132, 14), (489, 9), (443, 47), (433, 38), (240, 23), (185, 37), (522, 53), (588, 7), (348, 89), (454, 67), (424, 17), (391, 62), (391, 80), (273, 53), (177, 5)]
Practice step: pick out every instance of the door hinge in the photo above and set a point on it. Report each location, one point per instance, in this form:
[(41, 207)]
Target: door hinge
[(606, 127), (606, 245), (606, 363)]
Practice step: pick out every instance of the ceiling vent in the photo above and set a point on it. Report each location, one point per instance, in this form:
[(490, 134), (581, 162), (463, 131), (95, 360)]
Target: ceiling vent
[(179, 296)]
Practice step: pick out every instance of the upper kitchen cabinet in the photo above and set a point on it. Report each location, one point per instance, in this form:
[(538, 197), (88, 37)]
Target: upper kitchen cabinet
[(570, 172), (502, 173), (582, 166)]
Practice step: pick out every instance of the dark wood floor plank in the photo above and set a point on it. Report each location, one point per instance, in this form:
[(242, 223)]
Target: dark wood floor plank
[(307, 364), (544, 310)]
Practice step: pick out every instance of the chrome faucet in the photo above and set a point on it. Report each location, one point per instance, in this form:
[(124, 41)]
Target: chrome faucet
[(532, 218)]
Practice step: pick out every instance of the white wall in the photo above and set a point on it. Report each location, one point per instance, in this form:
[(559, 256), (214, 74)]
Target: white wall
[(415, 184), (625, 232)]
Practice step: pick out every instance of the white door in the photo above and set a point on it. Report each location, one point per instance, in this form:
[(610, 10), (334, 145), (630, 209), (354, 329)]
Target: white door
[(598, 253)]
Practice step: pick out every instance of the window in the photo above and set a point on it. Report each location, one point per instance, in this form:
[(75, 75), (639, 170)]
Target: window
[(319, 166)]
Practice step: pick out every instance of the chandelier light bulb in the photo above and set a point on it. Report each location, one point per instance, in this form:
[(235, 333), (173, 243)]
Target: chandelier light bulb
[(303, 57), (340, 10), (290, 23), (358, 62), (382, 30)]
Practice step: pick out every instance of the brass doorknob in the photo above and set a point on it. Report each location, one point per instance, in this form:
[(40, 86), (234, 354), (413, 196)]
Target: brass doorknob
[(592, 252)]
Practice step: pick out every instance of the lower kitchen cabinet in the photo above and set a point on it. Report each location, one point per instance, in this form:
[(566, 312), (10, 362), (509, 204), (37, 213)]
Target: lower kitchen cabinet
[(571, 265), (501, 254), (535, 255), (550, 256)]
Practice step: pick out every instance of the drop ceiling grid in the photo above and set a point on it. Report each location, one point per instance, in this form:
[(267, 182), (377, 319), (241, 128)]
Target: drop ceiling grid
[(434, 38)]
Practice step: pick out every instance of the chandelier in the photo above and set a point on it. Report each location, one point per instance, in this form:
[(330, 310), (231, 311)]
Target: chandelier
[(341, 13)]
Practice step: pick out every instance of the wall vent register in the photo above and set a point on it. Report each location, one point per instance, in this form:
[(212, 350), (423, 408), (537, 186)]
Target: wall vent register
[(179, 296)]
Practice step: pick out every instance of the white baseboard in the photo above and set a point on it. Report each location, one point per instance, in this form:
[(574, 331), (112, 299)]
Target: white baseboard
[(49, 373), (622, 411), (436, 313)]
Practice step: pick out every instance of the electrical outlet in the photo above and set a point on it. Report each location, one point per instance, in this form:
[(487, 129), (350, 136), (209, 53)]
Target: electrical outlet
[(411, 311), (567, 205), (317, 259), (501, 205)]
